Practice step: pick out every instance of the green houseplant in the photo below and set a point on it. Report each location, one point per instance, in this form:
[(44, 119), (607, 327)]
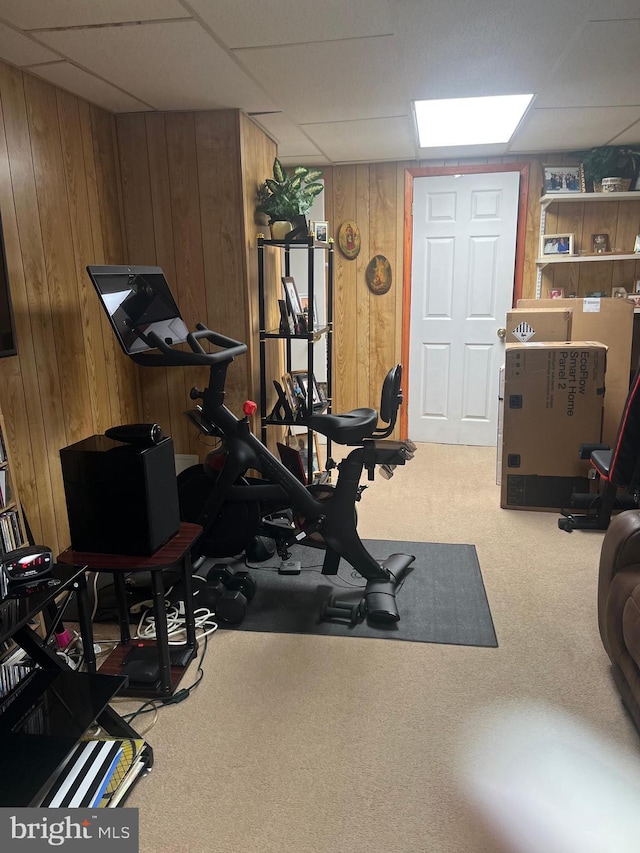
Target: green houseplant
[(288, 195), (610, 161)]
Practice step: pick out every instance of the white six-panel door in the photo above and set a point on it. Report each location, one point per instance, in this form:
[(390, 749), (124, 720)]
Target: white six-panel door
[(464, 241)]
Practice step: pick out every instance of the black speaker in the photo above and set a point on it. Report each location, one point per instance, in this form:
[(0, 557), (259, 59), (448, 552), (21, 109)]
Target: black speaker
[(121, 498)]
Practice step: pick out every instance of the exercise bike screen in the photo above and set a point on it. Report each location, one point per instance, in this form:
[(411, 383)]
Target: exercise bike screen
[(138, 299)]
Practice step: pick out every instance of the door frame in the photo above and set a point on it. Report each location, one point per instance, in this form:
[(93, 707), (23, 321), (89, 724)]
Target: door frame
[(434, 171)]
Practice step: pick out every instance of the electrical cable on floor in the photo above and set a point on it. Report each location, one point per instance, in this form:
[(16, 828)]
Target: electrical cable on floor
[(154, 705)]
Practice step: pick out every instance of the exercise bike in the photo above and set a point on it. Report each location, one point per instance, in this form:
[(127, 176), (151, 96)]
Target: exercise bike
[(231, 507)]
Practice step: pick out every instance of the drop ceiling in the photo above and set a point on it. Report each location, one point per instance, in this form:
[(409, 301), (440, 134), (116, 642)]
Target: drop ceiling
[(333, 81)]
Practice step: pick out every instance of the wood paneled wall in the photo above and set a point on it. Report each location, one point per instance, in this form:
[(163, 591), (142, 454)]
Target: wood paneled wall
[(60, 206), (188, 184), (620, 220)]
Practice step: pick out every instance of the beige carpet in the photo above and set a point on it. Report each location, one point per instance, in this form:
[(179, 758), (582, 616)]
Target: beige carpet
[(309, 744)]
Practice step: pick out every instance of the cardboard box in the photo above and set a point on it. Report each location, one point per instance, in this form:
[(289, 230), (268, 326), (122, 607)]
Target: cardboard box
[(609, 321), (553, 402), (538, 324)]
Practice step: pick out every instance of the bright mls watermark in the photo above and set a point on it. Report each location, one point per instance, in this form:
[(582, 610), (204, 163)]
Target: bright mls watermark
[(80, 830)]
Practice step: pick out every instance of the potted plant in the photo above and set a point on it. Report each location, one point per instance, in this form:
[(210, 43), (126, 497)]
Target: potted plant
[(610, 161), (287, 196)]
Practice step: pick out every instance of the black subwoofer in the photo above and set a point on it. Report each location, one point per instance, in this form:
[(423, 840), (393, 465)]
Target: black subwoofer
[(121, 498)]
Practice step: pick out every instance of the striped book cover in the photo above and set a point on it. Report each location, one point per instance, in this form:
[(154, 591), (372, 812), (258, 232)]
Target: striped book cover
[(86, 775)]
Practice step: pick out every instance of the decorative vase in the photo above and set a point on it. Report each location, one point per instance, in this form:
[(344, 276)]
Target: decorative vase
[(279, 229), (613, 185)]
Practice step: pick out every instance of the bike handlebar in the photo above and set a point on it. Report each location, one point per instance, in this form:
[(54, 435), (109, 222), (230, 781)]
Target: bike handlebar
[(172, 357)]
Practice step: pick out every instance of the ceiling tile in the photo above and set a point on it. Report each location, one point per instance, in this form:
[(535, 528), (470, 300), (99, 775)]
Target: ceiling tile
[(20, 50), (497, 47), (332, 81), (364, 141), (600, 70), (292, 142), (254, 23), (571, 128), (611, 10), (630, 136), (74, 13), (74, 79), (172, 66)]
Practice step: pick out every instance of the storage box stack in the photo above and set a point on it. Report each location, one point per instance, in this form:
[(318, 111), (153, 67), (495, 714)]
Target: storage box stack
[(522, 326), (538, 324), (553, 402)]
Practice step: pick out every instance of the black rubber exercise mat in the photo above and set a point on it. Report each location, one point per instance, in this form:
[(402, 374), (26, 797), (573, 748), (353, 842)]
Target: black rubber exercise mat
[(442, 600)]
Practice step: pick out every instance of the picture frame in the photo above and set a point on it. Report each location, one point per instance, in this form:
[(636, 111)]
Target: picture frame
[(619, 292), (292, 393), (562, 179), (556, 293), (292, 298), (599, 243), (300, 442), (556, 244), (636, 286), (320, 231), (636, 245), (292, 460), (304, 299), (287, 326), (301, 379)]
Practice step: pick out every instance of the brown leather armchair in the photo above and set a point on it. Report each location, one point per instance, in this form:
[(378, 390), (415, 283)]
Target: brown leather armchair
[(619, 605)]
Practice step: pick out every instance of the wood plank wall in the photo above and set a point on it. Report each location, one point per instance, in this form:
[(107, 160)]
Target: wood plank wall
[(188, 183), (60, 207)]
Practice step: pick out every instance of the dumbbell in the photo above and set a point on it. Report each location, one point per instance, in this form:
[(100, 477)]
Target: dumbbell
[(232, 591), (240, 581), (335, 609)]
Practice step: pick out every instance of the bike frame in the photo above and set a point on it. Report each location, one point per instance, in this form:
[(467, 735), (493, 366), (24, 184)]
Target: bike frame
[(245, 451)]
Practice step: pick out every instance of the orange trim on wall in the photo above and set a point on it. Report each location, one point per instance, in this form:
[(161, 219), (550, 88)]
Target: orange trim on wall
[(432, 171)]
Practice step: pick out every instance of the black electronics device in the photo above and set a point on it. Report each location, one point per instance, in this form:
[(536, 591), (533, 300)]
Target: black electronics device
[(121, 498), (137, 298), (27, 563), (143, 434)]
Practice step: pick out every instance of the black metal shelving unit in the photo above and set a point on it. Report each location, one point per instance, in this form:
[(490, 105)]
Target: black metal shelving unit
[(311, 247)]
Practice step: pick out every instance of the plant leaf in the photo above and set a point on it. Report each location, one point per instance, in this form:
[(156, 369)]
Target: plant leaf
[(278, 172)]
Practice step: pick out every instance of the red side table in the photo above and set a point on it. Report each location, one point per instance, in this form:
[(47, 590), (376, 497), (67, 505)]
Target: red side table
[(175, 554)]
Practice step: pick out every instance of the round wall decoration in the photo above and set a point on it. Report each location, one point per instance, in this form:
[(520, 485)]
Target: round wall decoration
[(349, 239), (378, 275)]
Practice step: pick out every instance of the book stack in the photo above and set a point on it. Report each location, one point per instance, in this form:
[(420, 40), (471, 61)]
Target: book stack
[(97, 774), (11, 536)]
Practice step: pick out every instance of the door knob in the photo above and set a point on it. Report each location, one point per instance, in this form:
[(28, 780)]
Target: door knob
[(502, 333)]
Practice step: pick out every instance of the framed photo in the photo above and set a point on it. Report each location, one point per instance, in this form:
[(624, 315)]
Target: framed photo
[(636, 245), (301, 379), (300, 442), (294, 306), (292, 393), (556, 244), (619, 292), (599, 243), (305, 310), (562, 179), (320, 231), (636, 286), (556, 293)]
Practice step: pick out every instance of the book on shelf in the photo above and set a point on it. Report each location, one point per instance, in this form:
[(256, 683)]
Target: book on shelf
[(128, 768), (86, 776)]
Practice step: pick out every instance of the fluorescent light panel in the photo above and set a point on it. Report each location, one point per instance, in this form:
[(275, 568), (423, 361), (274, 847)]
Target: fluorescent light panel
[(469, 121)]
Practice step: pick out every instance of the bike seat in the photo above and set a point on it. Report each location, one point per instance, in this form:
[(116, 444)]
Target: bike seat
[(351, 428)]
